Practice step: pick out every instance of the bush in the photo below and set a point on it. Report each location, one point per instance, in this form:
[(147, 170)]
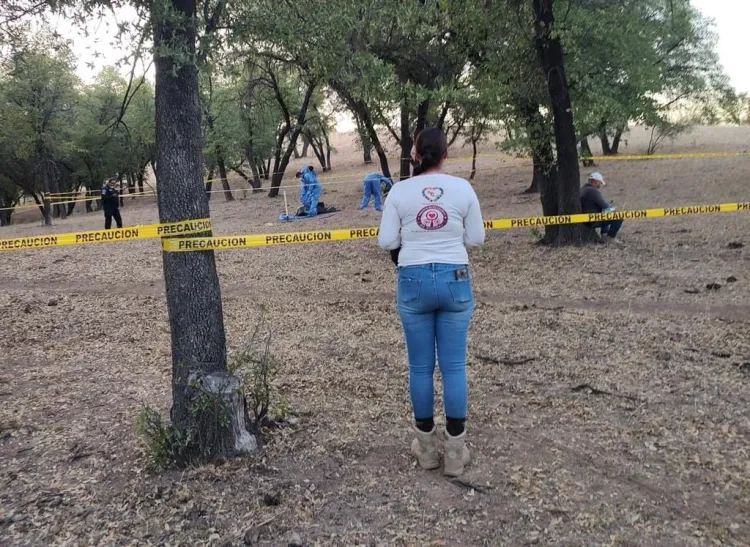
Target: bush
[(257, 368), (202, 439)]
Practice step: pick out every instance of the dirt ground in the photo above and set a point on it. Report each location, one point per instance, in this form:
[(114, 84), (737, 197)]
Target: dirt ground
[(609, 387)]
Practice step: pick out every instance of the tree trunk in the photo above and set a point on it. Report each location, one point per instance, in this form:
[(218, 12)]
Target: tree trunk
[(473, 159), (364, 140), (606, 147), (122, 199), (282, 164), (141, 177), (360, 109), (405, 160), (59, 210), (89, 201), (550, 54), (267, 173), (535, 185), (210, 183), (372, 134), (328, 150), (541, 150), (422, 110), (193, 294), (250, 154), (549, 182), (223, 174), (295, 152), (616, 141), (256, 184), (586, 153), (305, 146), (43, 205), (443, 115), (131, 182), (317, 147)]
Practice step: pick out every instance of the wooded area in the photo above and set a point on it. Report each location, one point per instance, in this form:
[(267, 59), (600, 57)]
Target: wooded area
[(272, 79), (242, 86)]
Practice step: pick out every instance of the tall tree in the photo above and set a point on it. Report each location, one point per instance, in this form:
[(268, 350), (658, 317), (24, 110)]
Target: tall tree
[(192, 284), (551, 59)]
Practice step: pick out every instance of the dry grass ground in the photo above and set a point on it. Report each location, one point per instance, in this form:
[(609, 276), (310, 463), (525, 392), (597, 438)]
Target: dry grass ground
[(610, 388)]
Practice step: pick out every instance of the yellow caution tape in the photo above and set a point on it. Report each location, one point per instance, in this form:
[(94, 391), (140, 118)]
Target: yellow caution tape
[(149, 231), (693, 155), (320, 236)]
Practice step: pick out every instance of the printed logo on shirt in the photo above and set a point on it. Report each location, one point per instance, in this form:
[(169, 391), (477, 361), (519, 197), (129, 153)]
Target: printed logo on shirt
[(432, 194), (432, 217)]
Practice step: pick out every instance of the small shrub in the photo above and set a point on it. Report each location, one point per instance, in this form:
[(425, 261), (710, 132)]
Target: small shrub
[(202, 438), (257, 368), (165, 444)]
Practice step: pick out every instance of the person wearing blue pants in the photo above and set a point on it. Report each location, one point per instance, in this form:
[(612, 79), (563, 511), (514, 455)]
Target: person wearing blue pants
[(592, 201), (310, 190), (372, 188), (432, 217)]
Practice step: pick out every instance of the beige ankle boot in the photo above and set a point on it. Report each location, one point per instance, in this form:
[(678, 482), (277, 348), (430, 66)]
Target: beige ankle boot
[(456, 454), (424, 447)]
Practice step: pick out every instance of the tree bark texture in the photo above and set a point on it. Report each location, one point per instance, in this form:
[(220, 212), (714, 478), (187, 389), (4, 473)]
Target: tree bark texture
[(550, 55), (210, 183), (192, 285), (328, 150), (586, 153), (616, 141), (406, 141), (250, 154), (223, 174)]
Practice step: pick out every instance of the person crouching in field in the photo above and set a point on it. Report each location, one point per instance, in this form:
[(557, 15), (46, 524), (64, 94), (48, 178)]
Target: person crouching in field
[(111, 204), (432, 217), (371, 188), (310, 191), (592, 201)]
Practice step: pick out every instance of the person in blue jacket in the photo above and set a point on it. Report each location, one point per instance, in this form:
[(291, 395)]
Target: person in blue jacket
[(310, 190), (371, 187)]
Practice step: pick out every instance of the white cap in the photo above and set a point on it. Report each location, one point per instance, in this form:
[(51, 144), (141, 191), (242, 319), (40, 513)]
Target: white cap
[(597, 176)]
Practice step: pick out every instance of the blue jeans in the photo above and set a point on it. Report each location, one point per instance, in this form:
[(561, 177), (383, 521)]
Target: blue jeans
[(371, 188), (610, 228), (435, 303)]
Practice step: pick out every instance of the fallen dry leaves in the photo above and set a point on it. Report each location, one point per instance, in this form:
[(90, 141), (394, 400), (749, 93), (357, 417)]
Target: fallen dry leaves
[(608, 405)]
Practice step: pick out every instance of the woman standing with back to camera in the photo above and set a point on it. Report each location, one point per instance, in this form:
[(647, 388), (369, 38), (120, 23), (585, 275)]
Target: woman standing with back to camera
[(432, 217)]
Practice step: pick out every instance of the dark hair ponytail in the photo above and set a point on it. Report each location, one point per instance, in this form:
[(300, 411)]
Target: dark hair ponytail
[(431, 145)]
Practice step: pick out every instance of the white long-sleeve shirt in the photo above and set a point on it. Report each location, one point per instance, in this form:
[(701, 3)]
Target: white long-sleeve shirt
[(433, 218)]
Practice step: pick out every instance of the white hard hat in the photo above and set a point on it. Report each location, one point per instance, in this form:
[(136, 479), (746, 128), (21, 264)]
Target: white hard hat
[(598, 177)]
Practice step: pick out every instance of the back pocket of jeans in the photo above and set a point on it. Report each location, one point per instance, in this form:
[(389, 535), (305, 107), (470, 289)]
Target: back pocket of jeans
[(461, 291), (408, 291)]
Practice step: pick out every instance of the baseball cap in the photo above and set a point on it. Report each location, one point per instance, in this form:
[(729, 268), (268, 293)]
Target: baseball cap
[(597, 176)]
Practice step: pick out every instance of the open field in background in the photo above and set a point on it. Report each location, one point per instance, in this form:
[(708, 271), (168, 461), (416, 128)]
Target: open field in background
[(349, 169), (609, 387)]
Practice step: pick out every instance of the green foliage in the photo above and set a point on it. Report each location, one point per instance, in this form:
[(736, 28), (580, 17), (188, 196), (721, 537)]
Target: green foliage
[(200, 440), (165, 444), (63, 134)]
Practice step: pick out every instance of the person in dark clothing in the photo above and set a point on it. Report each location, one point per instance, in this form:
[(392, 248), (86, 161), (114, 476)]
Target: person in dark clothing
[(592, 201), (111, 204)]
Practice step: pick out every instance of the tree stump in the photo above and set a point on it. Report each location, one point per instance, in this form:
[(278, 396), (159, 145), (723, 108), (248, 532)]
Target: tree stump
[(227, 390)]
